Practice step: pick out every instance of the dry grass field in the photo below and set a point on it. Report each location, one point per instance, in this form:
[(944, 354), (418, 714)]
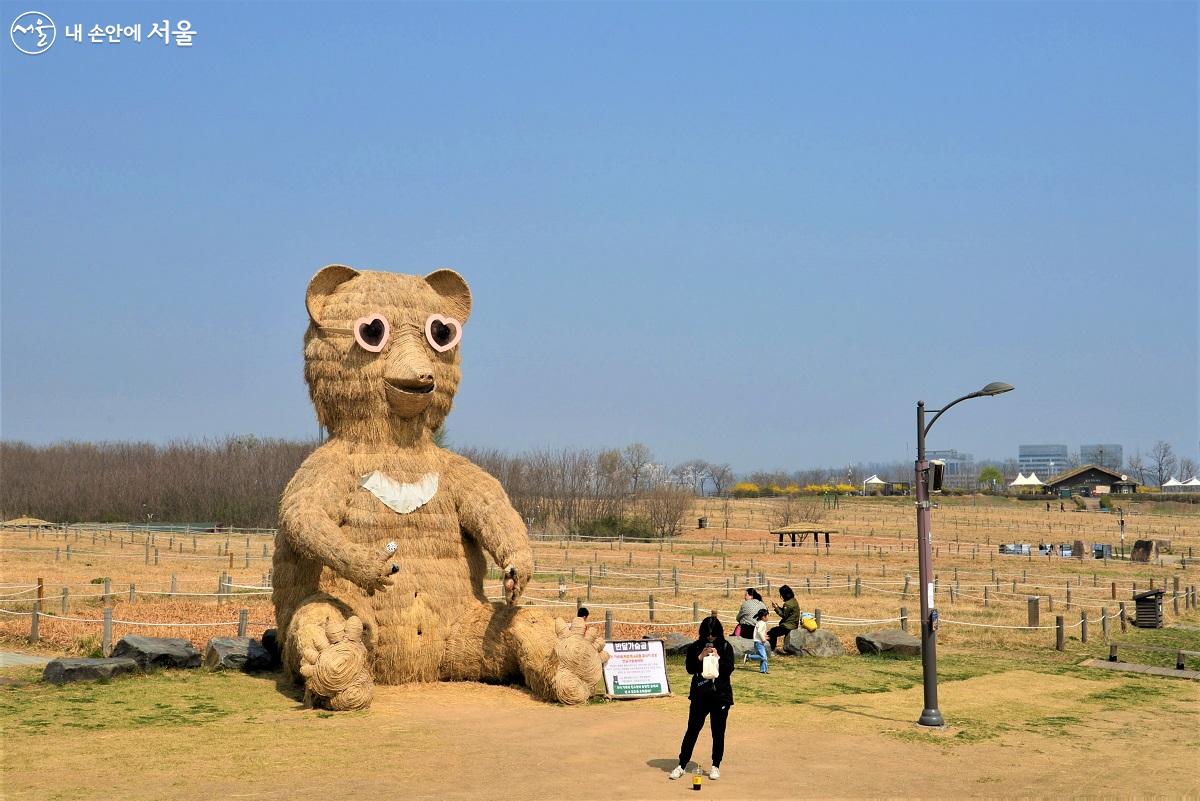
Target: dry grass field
[(1024, 719)]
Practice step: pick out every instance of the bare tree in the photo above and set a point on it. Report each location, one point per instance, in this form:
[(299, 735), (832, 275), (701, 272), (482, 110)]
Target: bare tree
[(1187, 469), (1137, 467), (793, 510), (1162, 461), (721, 476), (637, 459), (691, 474), (665, 506)]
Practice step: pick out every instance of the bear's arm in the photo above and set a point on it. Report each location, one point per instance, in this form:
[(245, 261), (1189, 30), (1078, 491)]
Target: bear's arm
[(485, 513), (310, 512)]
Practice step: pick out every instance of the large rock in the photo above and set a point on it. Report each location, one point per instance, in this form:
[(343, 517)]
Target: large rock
[(158, 652), (61, 671), (674, 643), (236, 653), (893, 641), (270, 641), (813, 643), (741, 646)]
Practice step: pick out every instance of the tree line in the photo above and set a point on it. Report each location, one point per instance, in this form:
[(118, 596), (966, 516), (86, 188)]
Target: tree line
[(238, 482)]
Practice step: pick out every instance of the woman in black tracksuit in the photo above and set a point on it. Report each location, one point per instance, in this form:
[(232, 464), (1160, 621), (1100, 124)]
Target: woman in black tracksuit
[(710, 697)]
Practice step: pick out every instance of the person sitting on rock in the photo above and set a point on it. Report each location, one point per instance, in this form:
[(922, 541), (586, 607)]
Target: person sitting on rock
[(789, 617), (747, 614)]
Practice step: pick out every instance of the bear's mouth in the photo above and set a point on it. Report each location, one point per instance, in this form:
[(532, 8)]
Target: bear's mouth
[(410, 387)]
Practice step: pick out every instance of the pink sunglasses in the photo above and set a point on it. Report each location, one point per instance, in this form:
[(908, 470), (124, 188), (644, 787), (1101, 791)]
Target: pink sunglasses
[(373, 331)]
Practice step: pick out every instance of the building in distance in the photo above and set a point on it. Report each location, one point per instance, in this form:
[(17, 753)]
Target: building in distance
[(1110, 456), (1091, 480), (1046, 460)]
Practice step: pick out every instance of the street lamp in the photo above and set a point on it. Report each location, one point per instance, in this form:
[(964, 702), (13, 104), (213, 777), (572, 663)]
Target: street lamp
[(931, 715)]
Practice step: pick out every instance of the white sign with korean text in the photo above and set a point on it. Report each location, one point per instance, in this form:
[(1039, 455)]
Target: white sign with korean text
[(636, 669)]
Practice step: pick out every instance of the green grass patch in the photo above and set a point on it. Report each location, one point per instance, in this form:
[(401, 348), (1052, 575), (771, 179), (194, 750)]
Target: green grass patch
[(164, 698)]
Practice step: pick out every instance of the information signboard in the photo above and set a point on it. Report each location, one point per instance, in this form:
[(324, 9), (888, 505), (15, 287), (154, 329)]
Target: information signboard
[(635, 669)]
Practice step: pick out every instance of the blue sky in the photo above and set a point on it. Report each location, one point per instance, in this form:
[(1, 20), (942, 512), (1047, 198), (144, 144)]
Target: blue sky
[(749, 233)]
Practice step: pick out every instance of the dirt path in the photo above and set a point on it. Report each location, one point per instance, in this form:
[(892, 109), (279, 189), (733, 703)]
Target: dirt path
[(461, 741)]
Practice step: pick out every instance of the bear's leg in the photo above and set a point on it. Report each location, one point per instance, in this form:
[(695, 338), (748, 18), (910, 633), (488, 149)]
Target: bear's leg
[(508, 643), (324, 646)]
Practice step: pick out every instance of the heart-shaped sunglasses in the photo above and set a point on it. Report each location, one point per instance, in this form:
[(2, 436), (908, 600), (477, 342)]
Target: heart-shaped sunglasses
[(373, 331)]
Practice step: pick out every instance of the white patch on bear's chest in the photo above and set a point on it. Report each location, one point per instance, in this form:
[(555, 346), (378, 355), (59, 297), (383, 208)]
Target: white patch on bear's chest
[(398, 496)]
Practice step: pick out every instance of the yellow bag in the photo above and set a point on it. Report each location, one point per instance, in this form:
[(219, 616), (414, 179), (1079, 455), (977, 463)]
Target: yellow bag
[(809, 623)]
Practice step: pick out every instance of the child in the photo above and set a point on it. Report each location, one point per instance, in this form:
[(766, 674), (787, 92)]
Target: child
[(760, 641), (580, 622)]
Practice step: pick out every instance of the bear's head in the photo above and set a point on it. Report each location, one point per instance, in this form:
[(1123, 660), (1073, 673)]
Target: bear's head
[(381, 351)]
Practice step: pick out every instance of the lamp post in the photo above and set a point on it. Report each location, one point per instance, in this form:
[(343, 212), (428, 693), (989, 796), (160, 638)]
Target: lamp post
[(931, 715)]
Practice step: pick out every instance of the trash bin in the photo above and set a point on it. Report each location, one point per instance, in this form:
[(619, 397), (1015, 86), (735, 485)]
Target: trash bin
[(702, 523), (1149, 613)]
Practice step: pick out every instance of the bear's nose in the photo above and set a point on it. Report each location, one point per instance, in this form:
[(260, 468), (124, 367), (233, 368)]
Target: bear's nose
[(410, 370)]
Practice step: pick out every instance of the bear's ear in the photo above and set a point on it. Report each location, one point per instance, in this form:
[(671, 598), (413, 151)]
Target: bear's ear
[(453, 288), (322, 286)]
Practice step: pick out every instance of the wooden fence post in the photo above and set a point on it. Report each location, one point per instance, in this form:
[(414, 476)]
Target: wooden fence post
[(1114, 590), (66, 600), (132, 594), (1059, 641), (857, 586), (33, 621), (651, 605), (907, 578), (1083, 625), (1033, 611), (243, 621), (106, 632), (1104, 622), (173, 585), (107, 593), (1121, 615), (904, 618), (695, 611), (1175, 595), (817, 616), (608, 624)]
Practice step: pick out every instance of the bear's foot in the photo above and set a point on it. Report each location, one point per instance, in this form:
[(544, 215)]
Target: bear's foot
[(581, 657), (334, 664)]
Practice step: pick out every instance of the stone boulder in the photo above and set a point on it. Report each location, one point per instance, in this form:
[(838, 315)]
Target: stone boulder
[(892, 641), (741, 646), (158, 652), (236, 653), (270, 641), (674, 643), (62, 671), (813, 643)]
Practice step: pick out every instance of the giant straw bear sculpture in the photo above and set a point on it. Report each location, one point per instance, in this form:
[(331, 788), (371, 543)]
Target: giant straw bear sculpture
[(380, 556)]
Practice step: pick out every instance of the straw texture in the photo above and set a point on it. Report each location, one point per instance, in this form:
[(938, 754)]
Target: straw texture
[(349, 620)]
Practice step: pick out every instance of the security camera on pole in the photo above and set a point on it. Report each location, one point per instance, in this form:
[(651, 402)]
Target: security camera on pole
[(929, 479)]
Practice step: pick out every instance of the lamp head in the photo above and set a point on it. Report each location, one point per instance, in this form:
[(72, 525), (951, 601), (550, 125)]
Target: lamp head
[(996, 388)]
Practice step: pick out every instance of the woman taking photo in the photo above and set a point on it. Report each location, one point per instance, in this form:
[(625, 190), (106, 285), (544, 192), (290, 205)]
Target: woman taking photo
[(789, 617), (710, 661)]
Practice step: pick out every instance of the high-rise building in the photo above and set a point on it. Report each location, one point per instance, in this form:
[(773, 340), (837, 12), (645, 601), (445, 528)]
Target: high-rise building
[(1110, 456), (1045, 460), (960, 470)]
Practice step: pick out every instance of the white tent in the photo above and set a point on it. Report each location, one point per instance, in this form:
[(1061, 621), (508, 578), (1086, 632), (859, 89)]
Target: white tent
[(873, 483), (1193, 485), (1172, 485), (1019, 481), (1034, 481)]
